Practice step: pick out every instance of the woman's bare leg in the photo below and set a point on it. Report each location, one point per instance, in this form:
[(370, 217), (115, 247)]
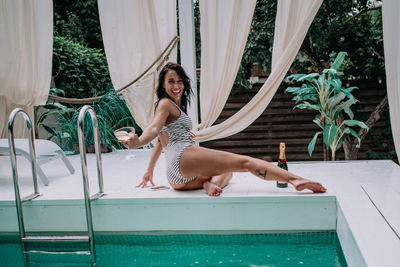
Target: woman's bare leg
[(200, 182), (200, 161), (212, 185), (215, 185), (212, 189), (221, 180)]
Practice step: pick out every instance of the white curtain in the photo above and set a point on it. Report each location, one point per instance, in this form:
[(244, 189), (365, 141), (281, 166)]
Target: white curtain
[(293, 19), (224, 29), (26, 48), (135, 32), (391, 40)]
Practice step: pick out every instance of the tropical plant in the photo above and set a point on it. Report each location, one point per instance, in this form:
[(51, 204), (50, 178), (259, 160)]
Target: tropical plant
[(324, 93), (41, 113), (111, 111)]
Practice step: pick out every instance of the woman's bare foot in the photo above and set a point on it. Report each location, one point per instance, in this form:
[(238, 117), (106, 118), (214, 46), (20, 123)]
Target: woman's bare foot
[(301, 184), (212, 189)]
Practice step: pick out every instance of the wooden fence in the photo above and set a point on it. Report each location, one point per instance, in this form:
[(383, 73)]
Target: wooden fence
[(280, 123)]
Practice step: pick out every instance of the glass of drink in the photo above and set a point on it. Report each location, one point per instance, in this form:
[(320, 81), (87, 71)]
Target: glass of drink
[(123, 134)]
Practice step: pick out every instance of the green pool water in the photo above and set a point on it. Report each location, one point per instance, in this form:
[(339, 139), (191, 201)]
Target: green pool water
[(274, 250)]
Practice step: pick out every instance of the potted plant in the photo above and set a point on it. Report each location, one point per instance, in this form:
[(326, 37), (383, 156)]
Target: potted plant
[(325, 94)]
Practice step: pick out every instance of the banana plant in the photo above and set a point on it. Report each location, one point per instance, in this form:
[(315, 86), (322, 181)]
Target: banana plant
[(325, 94)]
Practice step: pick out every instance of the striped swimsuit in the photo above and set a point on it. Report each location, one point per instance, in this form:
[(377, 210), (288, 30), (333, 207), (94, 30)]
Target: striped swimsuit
[(179, 139)]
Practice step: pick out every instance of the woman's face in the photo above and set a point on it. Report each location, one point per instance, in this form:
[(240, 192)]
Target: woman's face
[(173, 85)]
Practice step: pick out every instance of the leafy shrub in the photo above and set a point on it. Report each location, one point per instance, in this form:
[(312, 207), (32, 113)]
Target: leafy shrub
[(78, 20), (352, 26), (78, 70)]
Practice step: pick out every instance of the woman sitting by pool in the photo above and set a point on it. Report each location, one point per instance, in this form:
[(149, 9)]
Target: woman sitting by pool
[(190, 166)]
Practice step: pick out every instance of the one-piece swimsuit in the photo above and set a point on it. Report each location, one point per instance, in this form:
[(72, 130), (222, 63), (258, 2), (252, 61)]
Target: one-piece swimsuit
[(179, 139)]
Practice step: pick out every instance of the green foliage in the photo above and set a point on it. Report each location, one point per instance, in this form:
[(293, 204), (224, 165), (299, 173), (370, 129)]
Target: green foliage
[(51, 108), (112, 113), (361, 37), (330, 32), (78, 20), (196, 11), (382, 146), (259, 42), (324, 93), (79, 64), (80, 71)]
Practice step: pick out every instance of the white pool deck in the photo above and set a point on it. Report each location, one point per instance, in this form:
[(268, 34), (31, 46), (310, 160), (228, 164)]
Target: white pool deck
[(362, 203)]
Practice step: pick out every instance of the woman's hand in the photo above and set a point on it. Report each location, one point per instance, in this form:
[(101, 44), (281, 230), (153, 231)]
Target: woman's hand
[(131, 142), (147, 177)]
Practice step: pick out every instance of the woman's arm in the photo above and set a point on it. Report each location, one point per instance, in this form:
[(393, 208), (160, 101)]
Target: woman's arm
[(148, 175), (155, 155), (151, 132)]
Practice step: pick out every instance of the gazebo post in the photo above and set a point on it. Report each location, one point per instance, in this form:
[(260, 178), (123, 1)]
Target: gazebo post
[(188, 51)]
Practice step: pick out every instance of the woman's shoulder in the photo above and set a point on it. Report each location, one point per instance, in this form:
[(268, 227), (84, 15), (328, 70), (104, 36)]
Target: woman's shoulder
[(165, 103)]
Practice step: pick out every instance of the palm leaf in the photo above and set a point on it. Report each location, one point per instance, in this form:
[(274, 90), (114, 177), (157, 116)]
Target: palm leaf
[(330, 132), (344, 106), (335, 100), (294, 77), (318, 122), (311, 145), (308, 77), (307, 105), (338, 60), (354, 133), (355, 123), (348, 93)]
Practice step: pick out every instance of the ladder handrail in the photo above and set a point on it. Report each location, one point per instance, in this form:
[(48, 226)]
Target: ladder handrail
[(13, 158), (82, 152), (88, 198), (82, 146)]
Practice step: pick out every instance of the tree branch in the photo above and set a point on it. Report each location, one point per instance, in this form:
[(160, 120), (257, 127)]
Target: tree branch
[(360, 14), (349, 147), (317, 65), (373, 52)]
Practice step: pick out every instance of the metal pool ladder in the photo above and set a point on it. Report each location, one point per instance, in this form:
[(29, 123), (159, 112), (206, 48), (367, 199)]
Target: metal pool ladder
[(53, 239)]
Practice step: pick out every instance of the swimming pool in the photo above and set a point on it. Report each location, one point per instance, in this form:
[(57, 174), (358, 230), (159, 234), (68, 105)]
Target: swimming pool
[(248, 205), (262, 249)]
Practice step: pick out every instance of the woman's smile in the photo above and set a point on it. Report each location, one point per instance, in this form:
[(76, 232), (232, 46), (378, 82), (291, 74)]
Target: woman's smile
[(173, 85)]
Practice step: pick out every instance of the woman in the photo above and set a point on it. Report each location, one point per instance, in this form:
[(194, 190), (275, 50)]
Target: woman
[(190, 166)]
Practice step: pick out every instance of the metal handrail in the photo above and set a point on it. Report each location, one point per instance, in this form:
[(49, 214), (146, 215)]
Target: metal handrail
[(82, 151), (13, 158)]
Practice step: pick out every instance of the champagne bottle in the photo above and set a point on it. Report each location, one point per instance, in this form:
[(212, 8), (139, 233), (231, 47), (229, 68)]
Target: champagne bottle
[(282, 164)]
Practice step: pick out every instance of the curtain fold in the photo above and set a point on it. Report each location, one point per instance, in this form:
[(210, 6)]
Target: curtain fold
[(391, 41), (26, 48), (293, 19), (135, 32), (224, 28)]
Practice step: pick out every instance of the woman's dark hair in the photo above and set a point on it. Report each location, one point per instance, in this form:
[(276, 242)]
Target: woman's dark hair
[(187, 90)]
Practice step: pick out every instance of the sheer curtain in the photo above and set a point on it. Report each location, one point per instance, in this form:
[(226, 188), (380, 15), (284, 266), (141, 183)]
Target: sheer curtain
[(224, 29), (292, 22), (391, 40), (26, 47), (135, 32)]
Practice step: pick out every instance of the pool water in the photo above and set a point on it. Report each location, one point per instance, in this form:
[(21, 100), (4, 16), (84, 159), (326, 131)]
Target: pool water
[(274, 250)]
